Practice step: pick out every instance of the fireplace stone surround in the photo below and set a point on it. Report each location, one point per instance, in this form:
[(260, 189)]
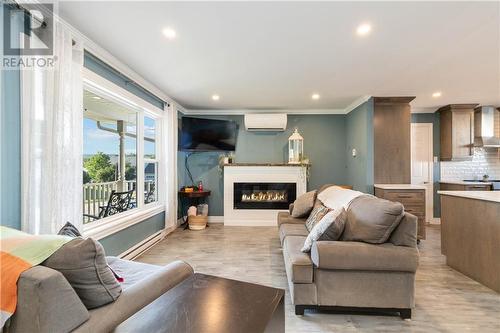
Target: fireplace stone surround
[(255, 193)]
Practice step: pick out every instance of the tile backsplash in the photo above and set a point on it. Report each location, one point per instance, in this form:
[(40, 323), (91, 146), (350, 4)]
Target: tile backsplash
[(485, 161)]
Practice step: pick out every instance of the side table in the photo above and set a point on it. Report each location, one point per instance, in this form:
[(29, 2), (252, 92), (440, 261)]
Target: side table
[(194, 198)]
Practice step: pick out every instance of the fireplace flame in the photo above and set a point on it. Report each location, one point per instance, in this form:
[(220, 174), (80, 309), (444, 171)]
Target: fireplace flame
[(268, 196)]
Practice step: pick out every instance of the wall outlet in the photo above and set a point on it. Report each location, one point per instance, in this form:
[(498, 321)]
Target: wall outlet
[(354, 152)]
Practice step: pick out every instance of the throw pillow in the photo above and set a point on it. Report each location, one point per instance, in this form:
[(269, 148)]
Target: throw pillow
[(69, 230), (336, 197), (329, 228), (304, 204), (372, 220), (83, 264), (315, 216)]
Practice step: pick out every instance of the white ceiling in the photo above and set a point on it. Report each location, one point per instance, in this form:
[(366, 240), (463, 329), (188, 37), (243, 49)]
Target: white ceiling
[(274, 55)]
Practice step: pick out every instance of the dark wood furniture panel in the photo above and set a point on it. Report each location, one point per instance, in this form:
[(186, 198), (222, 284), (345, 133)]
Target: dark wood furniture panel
[(391, 125), (477, 187), (457, 132), (413, 201), (206, 304), (464, 187)]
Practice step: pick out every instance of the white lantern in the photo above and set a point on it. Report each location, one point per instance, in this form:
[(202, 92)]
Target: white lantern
[(295, 148)]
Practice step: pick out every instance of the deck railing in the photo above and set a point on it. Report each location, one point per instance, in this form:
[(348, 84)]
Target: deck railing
[(96, 195)]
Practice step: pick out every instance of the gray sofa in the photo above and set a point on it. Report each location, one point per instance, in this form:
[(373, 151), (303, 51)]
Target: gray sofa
[(345, 275), (48, 303)]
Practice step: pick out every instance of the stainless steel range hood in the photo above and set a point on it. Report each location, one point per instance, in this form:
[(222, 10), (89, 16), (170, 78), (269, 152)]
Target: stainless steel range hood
[(486, 127)]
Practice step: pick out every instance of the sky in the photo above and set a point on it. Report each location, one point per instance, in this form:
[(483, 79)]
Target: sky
[(96, 140)]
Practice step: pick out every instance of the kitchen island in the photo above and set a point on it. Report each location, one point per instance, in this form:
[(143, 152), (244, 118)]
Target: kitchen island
[(470, 234)]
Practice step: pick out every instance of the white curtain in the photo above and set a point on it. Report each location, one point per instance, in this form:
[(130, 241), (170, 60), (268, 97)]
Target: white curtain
[(51, 162)]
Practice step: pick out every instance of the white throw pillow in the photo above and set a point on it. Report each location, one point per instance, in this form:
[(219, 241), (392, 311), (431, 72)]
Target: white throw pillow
[(330, 228), (335, 197)]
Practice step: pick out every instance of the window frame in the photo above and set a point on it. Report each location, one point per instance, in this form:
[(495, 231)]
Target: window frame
[(157, 159), (111, 224)]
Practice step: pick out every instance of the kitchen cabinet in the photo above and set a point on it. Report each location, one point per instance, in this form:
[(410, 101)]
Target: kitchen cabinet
[(444, 186), (457, 132), (413, 200), (392, 140)]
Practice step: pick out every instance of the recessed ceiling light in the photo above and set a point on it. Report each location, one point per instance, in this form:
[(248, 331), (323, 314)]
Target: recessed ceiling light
[(169, 33), (315, 96), (96, 97), (215, 97), (436, 94), (364, 29)]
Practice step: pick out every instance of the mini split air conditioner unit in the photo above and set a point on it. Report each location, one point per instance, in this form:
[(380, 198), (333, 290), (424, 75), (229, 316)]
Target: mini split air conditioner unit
[(262, 122)]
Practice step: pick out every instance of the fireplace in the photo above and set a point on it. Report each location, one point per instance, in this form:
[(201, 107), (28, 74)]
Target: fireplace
[(254, 193), (263, 195)]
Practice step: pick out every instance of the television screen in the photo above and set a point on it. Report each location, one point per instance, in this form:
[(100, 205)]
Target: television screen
[(198, 134)]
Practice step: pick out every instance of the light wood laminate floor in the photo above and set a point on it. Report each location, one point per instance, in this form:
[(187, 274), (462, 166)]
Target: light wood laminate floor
[(446, 300)]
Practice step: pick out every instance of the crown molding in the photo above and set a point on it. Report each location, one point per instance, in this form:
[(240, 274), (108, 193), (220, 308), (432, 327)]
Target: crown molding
[(357, 103), (223, 112)]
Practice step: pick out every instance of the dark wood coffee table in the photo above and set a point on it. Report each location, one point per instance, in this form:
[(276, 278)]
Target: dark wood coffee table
[(210, 304)]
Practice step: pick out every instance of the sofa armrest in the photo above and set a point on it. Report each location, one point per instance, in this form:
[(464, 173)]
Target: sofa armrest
[(46, 302), (363, 256), (136, 297)]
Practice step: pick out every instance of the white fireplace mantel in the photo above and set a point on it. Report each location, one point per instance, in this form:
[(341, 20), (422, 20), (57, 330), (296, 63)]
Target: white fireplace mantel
[(255, 173)]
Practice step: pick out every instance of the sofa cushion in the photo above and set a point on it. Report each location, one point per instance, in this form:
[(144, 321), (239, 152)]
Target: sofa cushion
[(405, 233), (131, 271), (292, 230), (316, 216), (304, 204), (329, 228), (136, 296), (286, 218), (363, 256), (298, 264), (372, 220), (83, 264)]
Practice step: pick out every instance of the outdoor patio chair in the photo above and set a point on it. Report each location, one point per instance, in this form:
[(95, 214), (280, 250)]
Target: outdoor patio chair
[(118, 202)]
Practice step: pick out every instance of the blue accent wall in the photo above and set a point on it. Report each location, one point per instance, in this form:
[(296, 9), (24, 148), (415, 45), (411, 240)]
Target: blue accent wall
[(123, 240), (324, 144), (359, 136), (434, 119), (10, 142)]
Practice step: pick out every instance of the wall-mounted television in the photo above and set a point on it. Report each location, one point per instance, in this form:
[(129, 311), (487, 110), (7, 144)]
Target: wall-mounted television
[(200, 134)]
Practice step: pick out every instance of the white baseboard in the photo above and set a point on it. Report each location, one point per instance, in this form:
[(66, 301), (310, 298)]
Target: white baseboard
[(215, 219), (140, 247)]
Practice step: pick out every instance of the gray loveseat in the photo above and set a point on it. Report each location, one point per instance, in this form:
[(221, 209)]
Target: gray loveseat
[(48, 303), (346, 275)]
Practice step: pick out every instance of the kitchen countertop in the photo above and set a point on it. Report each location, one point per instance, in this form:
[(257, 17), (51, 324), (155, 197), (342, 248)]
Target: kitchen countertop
[(400, 187), (493, 196), (461, 182)]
